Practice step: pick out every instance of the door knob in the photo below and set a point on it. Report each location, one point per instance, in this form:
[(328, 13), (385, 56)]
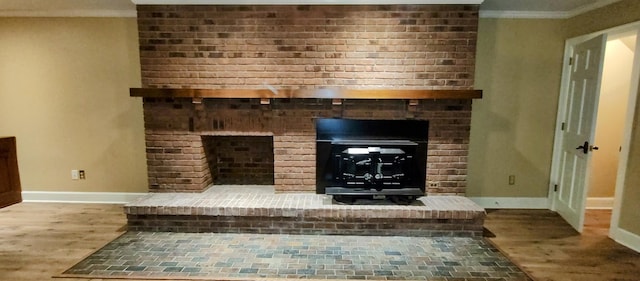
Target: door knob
[(584, 147), (593, 147)]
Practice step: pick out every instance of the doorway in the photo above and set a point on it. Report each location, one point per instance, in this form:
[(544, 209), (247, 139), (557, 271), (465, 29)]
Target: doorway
[(606, 141), (610, 124), (612, 109)]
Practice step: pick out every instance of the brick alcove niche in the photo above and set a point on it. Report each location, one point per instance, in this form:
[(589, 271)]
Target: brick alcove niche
[(289, 47), (239, 159)]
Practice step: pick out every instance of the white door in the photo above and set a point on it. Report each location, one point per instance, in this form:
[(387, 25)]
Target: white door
[(578, 131)]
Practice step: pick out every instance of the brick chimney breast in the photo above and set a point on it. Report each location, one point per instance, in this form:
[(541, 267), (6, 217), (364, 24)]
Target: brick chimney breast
[(387, 46), (298, 47)]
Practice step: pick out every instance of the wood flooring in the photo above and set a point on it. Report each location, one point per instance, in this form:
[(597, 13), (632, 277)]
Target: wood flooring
[(548, 248), (40, 240)]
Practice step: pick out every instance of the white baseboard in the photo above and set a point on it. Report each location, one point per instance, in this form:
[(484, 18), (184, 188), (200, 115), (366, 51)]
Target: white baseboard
[(600, 203), (80, 197), (511, 202), (627, 239)]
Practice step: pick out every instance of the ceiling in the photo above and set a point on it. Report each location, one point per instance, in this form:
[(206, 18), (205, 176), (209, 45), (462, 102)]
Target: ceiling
[(126, 8)]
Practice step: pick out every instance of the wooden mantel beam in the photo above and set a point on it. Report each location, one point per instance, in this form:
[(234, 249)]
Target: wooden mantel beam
[(326, 93)]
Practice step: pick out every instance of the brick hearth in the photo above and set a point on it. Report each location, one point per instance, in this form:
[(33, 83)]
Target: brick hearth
[(256, 209)]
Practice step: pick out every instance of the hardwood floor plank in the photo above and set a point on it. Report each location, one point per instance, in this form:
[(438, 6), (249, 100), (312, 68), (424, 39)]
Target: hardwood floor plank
[(40, 240), (549, 249)]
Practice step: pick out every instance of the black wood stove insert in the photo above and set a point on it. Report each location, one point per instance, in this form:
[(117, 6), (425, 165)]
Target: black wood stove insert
[(371, 158)]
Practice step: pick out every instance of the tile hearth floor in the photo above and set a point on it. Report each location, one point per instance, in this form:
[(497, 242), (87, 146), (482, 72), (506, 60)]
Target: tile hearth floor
[(250, 256)]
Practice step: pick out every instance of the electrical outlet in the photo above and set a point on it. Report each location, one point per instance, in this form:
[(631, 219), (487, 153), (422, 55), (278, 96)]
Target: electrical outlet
[(434, 184), (512, 179), (75, 174), (81, 174)]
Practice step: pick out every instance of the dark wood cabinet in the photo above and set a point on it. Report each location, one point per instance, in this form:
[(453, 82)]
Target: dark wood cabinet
[(10, 190)]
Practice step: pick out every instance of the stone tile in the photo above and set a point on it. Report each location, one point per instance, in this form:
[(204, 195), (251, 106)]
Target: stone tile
[(249, 256)]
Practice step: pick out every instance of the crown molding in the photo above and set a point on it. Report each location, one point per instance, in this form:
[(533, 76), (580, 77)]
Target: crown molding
[(132, 12), (591, 7), (304, 2), (69, 13), (545, 14), (523, 14)]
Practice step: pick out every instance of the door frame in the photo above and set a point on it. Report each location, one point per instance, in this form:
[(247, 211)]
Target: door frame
[(626, 139), (614, 230)]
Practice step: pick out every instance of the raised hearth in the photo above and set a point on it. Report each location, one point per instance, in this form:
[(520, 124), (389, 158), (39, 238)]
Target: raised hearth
[(257, 209)]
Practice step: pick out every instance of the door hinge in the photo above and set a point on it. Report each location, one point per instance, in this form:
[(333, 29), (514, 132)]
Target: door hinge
[(562, 127), (555, 188), (571, 61)]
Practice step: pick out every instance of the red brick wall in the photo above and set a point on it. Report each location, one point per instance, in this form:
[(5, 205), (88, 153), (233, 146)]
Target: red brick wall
[(357, 47), (393, 46)]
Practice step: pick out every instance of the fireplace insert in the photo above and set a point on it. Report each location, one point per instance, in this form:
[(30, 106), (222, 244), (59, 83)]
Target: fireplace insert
[(371, 158)]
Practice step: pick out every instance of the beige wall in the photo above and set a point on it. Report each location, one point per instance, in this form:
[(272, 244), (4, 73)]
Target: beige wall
[(64, 82), (512, 127), (612, 114), (64, 94)]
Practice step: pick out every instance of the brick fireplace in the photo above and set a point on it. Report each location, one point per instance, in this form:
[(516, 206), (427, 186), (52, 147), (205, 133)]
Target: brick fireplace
[(277, 48)]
